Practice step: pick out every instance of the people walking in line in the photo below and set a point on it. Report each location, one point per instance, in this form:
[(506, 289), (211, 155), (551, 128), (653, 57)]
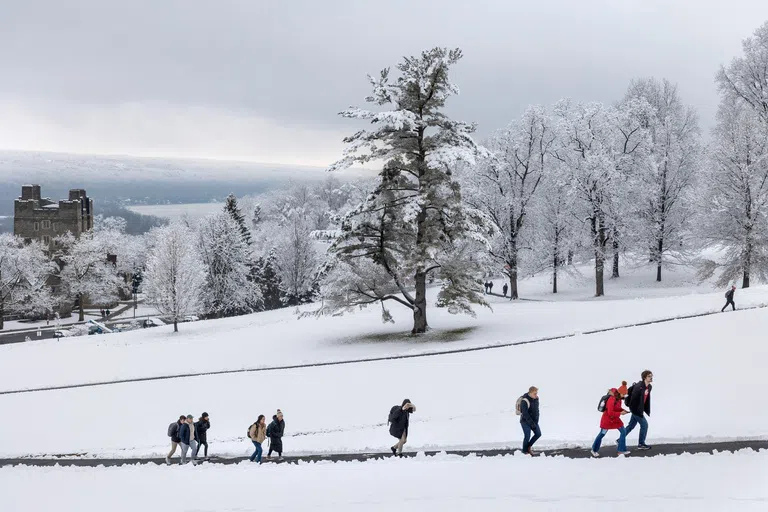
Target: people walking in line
[(201, 431), (399, 419), (611, 420), (275, 432), (729, 299), (257, 434), (527, 407), (504, 289), (173, 433), (639, 403), (187, 436)]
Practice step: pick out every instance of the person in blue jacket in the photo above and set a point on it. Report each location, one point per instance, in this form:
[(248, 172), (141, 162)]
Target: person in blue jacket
[(529, 418)]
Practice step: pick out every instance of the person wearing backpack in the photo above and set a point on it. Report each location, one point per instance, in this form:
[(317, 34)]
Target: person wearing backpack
[(527, 407), (257, 433), (173, 433), (399, 419), (275, 432), (201, 431), (729, 298), (611, 420), (639, 402), (187, 436)]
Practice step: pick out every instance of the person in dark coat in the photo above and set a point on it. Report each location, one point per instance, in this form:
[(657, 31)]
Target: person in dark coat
[(490, 286), (398, 428), (639, 406), (504, 289), (275, 432), (175, 440), (529, 418), (729, 298), (188, 439), (201, 429)]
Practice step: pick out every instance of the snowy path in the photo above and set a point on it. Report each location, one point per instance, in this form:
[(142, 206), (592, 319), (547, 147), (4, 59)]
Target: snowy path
[(375, 359), (608, 450)]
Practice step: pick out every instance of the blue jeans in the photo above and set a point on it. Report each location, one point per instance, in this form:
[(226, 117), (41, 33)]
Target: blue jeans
[(257, 454), (643, 427), (622, 440), (528, 440)]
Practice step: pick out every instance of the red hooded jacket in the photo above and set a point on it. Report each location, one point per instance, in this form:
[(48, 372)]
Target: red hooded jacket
[(611, 419)]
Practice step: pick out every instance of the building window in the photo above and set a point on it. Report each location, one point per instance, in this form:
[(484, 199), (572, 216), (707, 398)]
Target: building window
[(46, 240), (37, 226), (46, 224)]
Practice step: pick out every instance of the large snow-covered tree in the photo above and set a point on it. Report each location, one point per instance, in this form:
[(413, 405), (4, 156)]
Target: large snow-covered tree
[(734, 198), (503, 184), (745, 80), (233, 210), (297, 259), (411, 224), (174, 280), (229, 289), (24, 270), (674, 160)]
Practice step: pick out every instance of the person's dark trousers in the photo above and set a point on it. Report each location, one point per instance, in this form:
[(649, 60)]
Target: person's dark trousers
[(276, 445), (256, 454), (527, 439), (733, 305), (203, 443), (643, 427)]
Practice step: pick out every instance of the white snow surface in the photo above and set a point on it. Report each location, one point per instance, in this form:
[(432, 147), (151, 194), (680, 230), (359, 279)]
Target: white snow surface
[(734, 482)]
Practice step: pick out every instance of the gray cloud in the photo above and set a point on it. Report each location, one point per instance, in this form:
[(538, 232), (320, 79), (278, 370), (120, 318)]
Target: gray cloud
[(263, 80)]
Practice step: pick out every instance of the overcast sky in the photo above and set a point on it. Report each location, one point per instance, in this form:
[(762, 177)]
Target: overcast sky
[(263, 80)]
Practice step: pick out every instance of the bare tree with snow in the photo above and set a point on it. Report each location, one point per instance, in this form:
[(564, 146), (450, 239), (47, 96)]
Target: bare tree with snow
[(24, 270)]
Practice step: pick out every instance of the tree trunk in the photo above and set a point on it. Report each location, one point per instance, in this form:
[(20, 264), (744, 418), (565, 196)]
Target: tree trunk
[(599, 266), (747, 262), (175, 325), (599, 242), (554, 273), (420, 307), (81, 308), (2, 315), (660, 248), (615, 258), (513, 274)]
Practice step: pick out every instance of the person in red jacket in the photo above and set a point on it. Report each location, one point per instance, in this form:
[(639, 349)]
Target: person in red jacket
[(611, 420)]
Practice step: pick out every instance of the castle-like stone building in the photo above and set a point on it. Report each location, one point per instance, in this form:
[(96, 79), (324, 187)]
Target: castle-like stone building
[(38, 218)]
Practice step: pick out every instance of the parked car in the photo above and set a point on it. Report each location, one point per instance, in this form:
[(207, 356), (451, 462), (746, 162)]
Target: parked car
[(152, 322), (190, 318), (60, 334)]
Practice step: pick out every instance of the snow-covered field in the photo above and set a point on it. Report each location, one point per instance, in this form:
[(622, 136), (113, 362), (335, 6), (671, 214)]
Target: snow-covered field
[(734, 482)]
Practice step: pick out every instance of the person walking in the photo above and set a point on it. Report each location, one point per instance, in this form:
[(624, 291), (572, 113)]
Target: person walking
[(257, 434), (187, 436), (528, 409), (490, 287), (611, 420), (485, 287), (173, 433), (639, 405), (275, 432), (399, 419), (504, 289), (201, 432), (729, 298)]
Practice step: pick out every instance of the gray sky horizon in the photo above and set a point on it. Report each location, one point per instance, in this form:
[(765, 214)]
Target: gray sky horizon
[(263, 81)]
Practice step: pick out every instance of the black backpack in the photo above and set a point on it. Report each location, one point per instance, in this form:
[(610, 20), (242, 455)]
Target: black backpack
[(248, 432), (170, 428), (629, 394), (603, 402), (394, 413)]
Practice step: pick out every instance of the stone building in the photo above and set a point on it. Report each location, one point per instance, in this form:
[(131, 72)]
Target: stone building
[(43, 219)]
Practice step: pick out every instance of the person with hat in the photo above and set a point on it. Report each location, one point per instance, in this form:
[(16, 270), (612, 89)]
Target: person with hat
[(611, 420), (275, 432), (399, 419), (201, 431), (729, 298), (187, 436)]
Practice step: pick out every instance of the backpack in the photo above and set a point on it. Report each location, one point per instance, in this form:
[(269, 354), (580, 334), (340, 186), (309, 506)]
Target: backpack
[(269, 429), (517, 405), (394, 412), (170, 428), (629, 394), (248, 432), (603, 402)]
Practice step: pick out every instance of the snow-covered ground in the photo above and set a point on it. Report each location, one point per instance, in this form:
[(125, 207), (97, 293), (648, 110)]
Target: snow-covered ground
[(734, 482)]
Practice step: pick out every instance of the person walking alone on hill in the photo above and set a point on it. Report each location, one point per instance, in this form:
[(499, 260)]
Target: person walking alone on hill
[(257, 434), (187, 436), (173, 433), (639, 403), (399, 419), (729, 299), (504, 289), (527, 407), (490, 287), (611, 420), (275, 432), (201, 431)]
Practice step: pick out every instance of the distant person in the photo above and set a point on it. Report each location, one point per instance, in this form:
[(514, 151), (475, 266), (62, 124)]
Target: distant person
[(107, 313), (639, 403), (729, 298), (527, 407), (201, 429), (102, 312), (187, 436), (611, 420), (504, 289), (275, 432), (485, 289), (173, 433), (399, 419), (257, 434), (490, 286)]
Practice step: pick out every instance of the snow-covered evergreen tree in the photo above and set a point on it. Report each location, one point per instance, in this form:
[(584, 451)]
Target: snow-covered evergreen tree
[(231, 207), (268, 281), (174, 281), (229, 290), (674, 161), (411, 224)]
